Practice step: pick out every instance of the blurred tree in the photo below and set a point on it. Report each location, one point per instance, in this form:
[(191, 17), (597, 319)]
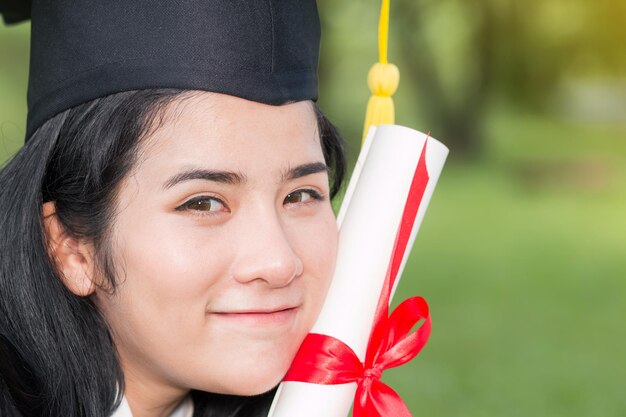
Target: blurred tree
[(460, 58), (465, 53), (447, 47)]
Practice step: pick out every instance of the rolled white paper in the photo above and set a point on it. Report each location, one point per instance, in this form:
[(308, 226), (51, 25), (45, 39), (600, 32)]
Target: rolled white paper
[(368, 224)]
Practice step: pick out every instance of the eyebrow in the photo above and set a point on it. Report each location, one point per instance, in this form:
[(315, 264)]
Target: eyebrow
[(224, 177), (304, 170), (234, 178)]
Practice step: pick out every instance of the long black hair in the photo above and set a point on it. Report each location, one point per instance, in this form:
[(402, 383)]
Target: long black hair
[(57, 357)]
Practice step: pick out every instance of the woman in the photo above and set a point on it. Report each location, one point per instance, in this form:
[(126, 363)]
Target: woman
[(164, 249)]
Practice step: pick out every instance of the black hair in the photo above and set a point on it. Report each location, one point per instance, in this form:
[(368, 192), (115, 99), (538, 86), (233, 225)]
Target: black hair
[(57, 357)]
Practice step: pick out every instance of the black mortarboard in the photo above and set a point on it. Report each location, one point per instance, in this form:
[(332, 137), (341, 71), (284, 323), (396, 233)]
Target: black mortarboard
[(266, 51)]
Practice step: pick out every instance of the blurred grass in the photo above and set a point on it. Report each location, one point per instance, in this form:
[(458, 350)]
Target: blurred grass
[(525, 281)]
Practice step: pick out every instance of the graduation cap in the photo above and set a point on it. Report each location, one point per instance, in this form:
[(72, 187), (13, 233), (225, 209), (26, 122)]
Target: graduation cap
[(265, 51)]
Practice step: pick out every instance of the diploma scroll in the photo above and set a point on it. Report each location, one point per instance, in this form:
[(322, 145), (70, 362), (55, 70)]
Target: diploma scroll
[(369, 221)]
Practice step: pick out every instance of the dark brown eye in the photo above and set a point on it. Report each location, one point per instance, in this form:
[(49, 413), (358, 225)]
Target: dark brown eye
[(205, 204), (302, 196)]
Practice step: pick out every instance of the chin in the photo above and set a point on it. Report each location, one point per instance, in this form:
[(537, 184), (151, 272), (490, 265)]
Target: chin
[(243, 377), (247, 388), (255, 382), (256, 389)]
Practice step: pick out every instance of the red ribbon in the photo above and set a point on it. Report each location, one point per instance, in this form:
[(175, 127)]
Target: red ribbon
[(326, 360)]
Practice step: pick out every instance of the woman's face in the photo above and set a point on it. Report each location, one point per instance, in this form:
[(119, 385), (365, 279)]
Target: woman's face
[(224, 243)]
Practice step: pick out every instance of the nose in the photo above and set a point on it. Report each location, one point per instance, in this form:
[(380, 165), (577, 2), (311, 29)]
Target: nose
[(265, 253)]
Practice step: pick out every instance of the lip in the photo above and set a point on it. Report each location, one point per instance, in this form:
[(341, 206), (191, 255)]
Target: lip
[(261, 317)]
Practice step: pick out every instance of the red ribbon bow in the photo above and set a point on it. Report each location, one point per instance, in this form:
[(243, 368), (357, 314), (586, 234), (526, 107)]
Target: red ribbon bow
[(326, 360)]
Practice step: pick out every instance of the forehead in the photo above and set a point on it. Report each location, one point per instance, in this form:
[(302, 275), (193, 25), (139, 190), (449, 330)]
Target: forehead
[(226, 132)]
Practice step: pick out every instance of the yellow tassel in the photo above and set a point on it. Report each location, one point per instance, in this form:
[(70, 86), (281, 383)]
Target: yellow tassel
[(383, 79)]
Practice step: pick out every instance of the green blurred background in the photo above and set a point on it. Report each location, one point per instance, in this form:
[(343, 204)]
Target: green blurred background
[(522, 255)]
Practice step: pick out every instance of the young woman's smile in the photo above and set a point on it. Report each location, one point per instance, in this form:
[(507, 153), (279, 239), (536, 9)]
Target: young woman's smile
[(224, 243), (260, 318)]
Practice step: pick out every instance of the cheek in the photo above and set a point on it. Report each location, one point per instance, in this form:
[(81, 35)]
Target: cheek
[(169, 259), (165, 274), (166, 277)]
